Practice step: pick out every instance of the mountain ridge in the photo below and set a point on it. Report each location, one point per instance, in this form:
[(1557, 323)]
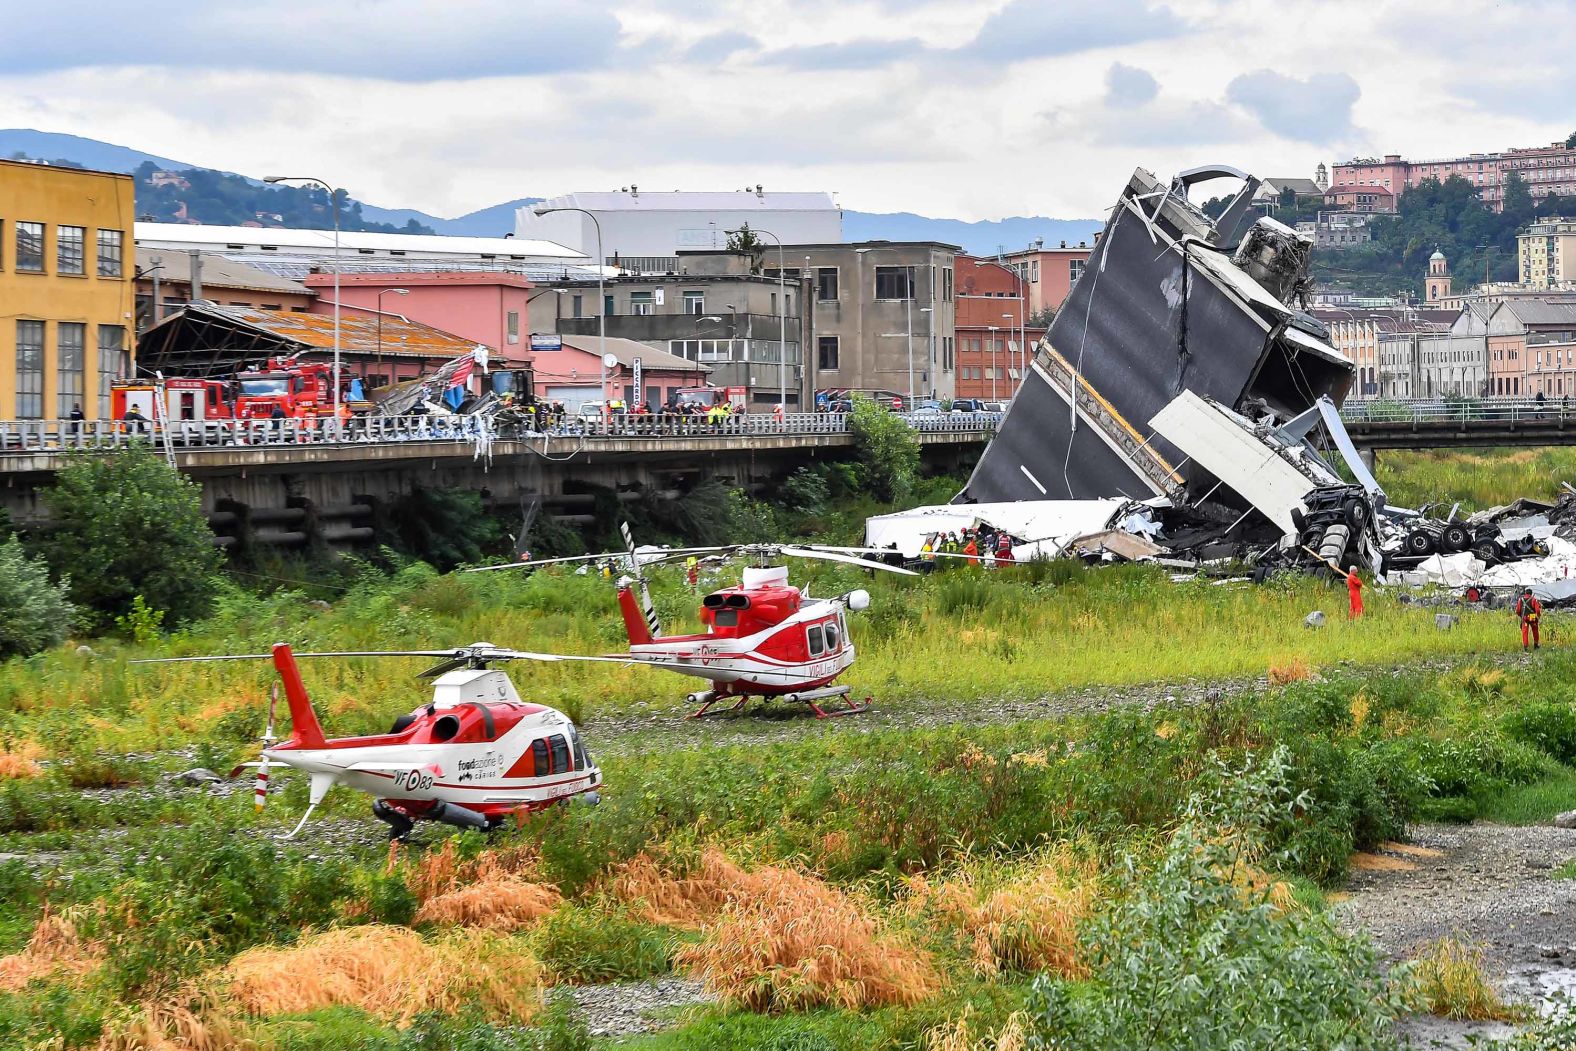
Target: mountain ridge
[(978, 237)]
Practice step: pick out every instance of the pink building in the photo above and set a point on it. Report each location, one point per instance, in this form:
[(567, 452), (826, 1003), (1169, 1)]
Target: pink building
[(1546, 169), (486, 307), (1048, 273)]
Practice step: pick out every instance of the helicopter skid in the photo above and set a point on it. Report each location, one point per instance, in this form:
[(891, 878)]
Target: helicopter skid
[(711, 697), (810, 697)]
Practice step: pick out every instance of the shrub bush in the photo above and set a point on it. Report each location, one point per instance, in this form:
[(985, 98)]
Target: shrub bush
[(129, 524), (1194, 960), (583, 944), (37, 613), (1549, 726)]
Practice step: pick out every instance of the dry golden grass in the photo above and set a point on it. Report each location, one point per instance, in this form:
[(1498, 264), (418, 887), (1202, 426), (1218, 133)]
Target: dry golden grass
[(19, 760), (1366, 862), (196, 1024), (1411, 850), (1359, 706), (796, 943), (960, 1035), (389, 972), (1025, 922), (1448, 981), (658, 895), (499, 903), (1293, 670), (55, 949)]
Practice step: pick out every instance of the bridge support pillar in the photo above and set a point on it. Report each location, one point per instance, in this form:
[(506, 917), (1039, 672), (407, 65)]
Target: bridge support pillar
[(1370, 457)]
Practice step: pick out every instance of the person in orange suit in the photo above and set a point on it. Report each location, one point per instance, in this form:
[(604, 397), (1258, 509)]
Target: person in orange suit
[(1530, 611), (972, 550), (1354, 593)]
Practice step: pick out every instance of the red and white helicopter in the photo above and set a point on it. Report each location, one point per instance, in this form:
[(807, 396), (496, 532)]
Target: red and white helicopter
[(762, 638), (472, 757)]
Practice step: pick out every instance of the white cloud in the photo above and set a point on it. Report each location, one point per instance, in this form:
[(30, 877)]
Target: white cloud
[(1003, 107)]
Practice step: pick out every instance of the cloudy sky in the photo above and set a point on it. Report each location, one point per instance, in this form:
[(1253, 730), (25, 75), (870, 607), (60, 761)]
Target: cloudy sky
[(966, 110)]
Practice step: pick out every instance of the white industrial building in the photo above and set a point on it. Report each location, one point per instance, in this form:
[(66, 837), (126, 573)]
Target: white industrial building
[(293, 253), (645, 230)]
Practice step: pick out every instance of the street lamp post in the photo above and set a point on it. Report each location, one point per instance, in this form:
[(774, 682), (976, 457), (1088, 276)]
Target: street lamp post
[(384, 292), (1010, 388), (601, 296), (333, 197), (782, 319)]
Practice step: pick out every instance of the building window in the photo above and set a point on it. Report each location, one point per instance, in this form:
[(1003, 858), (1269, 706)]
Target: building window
[(576, 305), (113, 363), (826, 284), (69, 339), (643, 304), (29, 367), (1075, 267), (30, 247), (826, 353), (894, 282), (948, 287), (69, 248), (512, 320), (774, 304), (694, 302)]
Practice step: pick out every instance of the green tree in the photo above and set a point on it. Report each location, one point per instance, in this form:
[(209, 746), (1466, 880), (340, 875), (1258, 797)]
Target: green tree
[(1042, 318), (888, 451), (1570, 143), (128, 524), (748, 241), (37, 613)]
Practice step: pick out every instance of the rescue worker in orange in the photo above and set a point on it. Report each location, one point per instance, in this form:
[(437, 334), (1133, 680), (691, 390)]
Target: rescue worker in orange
[(1354, 593), (971, 549), (1530, 611)]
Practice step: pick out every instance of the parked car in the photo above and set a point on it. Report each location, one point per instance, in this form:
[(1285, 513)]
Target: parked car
[(966, 405)]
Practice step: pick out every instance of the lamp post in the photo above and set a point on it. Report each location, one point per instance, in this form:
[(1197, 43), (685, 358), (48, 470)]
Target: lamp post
[(384, 292), (782, 318), (601, 296), (333, 197)]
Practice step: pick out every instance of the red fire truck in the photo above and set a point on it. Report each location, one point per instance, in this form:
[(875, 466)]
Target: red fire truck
[(301, 389)]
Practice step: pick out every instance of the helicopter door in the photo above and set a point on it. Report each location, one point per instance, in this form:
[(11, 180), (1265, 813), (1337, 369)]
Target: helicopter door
[(560, 750), (831, 636), (813, 637)]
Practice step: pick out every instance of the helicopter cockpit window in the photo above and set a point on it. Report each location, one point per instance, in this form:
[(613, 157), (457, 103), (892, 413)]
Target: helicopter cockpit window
[(726, 618), (539, 758), (560, 749), (831, 636), (813, 636), (581, 759)]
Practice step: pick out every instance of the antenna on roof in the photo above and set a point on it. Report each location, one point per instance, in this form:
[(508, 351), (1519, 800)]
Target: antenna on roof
[(757, 189)]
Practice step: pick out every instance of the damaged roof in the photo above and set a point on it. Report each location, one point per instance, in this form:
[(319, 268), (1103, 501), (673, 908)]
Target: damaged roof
[(217, 272), (208, 339)]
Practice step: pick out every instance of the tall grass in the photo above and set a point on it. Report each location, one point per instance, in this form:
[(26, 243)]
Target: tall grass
[(1478, 478), (1448, 981), (961, 635)]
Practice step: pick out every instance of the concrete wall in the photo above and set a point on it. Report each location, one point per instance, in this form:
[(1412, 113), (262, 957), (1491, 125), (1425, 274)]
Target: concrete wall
[(57, 197)]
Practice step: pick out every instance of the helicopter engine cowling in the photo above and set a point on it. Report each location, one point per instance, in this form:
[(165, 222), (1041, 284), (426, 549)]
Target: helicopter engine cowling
[(857, 599)]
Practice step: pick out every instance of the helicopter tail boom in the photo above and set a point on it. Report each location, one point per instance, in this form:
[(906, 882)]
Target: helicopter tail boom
[(305, 730), (635, 623)]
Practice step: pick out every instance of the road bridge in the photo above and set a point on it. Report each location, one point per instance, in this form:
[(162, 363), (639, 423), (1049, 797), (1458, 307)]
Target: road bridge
[(1435, 424), (286, 483)]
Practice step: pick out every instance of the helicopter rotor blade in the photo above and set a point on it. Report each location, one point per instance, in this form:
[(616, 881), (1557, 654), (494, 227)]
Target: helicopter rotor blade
[(838, 556), (270, 656), (646, 557)]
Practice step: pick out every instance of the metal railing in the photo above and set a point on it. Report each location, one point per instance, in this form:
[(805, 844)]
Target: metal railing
[(27, 436), (1458, 410)]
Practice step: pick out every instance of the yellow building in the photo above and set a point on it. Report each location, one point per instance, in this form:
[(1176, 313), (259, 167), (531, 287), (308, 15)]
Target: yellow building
[(66, 306), (1547, 253)]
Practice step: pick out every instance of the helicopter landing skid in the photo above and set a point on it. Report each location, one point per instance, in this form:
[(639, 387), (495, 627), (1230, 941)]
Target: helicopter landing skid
[(710, 698), (810, 697)]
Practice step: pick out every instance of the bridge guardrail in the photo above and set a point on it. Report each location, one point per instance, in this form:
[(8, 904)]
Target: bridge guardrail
[(1463, 411), (31, 436)]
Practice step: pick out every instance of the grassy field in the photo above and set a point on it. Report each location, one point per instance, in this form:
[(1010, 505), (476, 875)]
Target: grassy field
[(1478, 478), (939, 884)]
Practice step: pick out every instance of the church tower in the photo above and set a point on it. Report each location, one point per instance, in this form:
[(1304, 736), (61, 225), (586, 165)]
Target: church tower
[(1321, 177), (1438, 283)]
